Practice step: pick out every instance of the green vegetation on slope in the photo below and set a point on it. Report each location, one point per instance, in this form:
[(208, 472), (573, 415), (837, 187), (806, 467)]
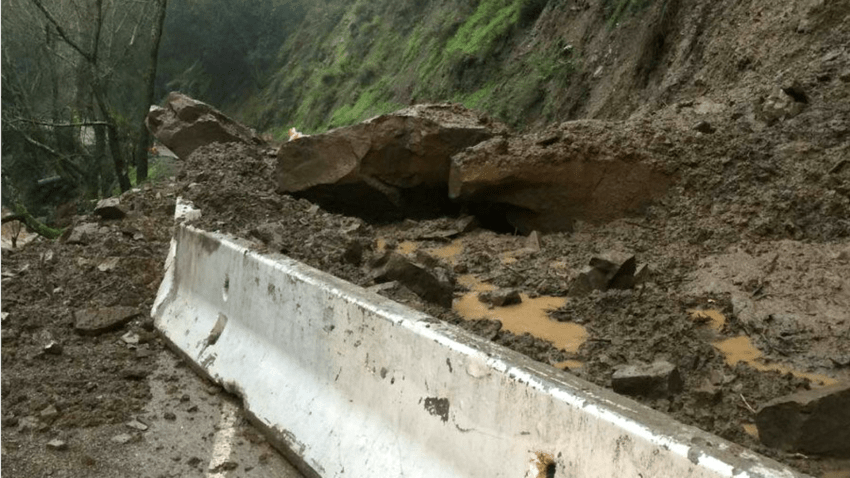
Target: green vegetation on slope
[(348, 61), (351, 62)]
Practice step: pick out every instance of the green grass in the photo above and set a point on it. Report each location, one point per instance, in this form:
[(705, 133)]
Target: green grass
[(478, 99), (413, 48), (374, 61), (368, 104), (491, 19)]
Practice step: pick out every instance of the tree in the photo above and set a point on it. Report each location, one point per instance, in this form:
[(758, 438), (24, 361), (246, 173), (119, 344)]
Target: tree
[(150, 84), (72, 93), (99, 80)]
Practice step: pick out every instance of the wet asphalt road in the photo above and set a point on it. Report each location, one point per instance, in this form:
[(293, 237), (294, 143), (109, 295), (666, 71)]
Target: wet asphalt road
[(193, 429)]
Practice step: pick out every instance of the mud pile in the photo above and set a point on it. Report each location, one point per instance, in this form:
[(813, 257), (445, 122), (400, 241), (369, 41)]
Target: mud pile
[(691, 311)]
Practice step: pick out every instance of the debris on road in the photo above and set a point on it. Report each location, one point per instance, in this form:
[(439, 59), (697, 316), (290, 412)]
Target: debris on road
[(185, 124), (548, 187), (382, 160), (98, 321), (658, 379), (123, 438), (603, 274), (110, 208), (57, 444), (137, 424), (434, 285), (500, 297), (813, 421)]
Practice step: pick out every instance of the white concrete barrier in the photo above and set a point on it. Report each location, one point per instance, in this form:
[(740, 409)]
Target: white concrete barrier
[(353, 384)]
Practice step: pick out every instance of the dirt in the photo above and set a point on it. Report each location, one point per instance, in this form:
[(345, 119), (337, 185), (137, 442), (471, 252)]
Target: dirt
[(751, 244), (689, 240), (694, 257)]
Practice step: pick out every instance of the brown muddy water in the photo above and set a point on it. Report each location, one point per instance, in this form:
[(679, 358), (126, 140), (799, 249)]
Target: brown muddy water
[(531, 316), (741, 349)]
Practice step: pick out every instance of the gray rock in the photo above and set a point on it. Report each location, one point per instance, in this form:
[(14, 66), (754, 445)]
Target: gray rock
[(57, 444), (98, 321), (185, 124), (135, 373), (584, 283), (783, 103), (28, 423), (603, 274), (123, 438), (624, 277), (532, 242), (383, 287), (353, 253), (110, 208), (53, 348), (224, 467), (109, 264), (707, 394), (130, 338), (49, 414), (704, 127), (500, 297), (434, 286), (658, 379), (813, 421), (643, 275), (466, 224), (137, 425), (83, 233)]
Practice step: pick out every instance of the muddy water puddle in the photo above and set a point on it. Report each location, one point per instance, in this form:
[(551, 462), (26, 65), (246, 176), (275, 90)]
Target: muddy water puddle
[(751, 429), (741, 349), (531, 316), (450, 252), (404, 247)]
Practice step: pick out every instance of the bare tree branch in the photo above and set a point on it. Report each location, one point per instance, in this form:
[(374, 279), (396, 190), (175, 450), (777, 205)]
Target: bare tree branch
[(40, 145), (61, 31), (98, 26), (62, 125)]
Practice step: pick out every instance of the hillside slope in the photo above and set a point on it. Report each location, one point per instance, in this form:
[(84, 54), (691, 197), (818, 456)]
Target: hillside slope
[(532, 62)]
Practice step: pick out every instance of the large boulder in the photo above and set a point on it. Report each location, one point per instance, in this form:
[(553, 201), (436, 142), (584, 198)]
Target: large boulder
[(581, 170), (185, 124), (812, 421), (388, 155)]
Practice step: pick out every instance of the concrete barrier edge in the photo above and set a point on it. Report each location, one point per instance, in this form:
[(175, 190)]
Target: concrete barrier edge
[(348, 383)]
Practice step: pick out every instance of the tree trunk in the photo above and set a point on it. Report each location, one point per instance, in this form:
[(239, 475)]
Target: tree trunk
[(150, 80), (112, 136), (107, 176)]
